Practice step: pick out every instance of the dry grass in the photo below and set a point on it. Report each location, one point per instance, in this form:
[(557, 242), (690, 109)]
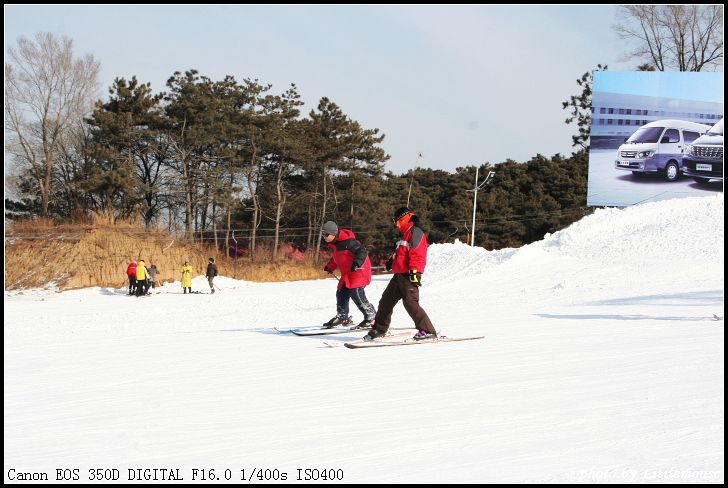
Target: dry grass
[(39, 252), (275, 271)]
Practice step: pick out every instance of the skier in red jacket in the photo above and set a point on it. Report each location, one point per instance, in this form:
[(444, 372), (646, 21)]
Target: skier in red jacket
[(408, 264), (351, 257), (131, 273)]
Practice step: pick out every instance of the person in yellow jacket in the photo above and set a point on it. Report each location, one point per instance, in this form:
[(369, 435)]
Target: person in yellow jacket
[(187, 277), (141, 276)]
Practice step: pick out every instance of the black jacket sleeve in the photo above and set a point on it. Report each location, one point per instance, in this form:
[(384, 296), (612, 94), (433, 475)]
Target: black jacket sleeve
[(358, 250)]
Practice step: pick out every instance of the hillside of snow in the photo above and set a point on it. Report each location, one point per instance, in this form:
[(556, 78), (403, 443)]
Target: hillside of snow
[(602, 362)]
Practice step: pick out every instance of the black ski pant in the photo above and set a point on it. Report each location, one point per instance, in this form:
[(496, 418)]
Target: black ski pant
[(400, 288), (141, 288), (360, 300), (132, 285)]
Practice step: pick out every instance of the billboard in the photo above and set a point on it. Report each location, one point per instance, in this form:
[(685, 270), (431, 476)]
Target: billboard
[(655, 135)]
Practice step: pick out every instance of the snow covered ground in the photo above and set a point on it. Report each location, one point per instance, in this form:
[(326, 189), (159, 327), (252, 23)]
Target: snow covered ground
[(601, 363)]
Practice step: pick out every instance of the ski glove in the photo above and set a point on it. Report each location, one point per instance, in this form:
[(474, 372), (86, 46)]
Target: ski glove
[(389, 264), (326, 268), (354, 267), (415, 277)]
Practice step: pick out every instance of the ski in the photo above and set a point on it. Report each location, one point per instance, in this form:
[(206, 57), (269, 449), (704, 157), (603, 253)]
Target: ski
[(406, 342), (289, 330), (323, 331), (315, 331), (396, 337)]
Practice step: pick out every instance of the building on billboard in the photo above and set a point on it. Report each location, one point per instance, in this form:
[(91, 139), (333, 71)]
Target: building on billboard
[(616, 116)]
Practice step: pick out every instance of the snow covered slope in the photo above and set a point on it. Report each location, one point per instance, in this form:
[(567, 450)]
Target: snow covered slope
[(601, 363)]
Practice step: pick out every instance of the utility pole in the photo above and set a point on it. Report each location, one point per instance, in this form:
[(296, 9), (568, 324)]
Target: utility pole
[(486, 181), (412, 179)]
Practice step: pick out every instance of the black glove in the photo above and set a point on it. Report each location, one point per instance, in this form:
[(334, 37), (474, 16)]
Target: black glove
[(326, 268), (389, 264), (415, 277), (354, 267)]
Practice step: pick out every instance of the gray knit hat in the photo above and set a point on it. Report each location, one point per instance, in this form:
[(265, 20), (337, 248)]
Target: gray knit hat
[(330, 227)]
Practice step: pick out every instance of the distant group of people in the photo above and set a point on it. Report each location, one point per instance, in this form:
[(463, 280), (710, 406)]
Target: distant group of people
[(141, 277)]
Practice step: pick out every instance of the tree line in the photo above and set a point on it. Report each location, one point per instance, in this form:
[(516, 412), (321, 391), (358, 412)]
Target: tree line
[(225, 159), (208, 157)]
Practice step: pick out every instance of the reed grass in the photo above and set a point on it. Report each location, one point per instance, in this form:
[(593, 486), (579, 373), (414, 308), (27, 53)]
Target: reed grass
[(41, 252)]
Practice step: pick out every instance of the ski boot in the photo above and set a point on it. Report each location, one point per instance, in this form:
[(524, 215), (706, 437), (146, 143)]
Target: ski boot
[(422, 335), (365, 324), (337, 322), (374, 333)]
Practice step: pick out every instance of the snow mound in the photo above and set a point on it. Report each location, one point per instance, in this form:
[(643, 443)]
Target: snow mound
[(685, 230), (677, 229)]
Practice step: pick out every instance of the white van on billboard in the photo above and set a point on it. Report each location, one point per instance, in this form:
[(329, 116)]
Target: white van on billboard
[(658, 148), (648, 139)]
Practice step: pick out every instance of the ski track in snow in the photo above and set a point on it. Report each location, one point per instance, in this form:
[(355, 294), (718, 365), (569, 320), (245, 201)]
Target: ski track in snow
[(601, 362)]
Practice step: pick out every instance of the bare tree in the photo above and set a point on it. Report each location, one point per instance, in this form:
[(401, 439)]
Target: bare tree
[(674, 37), (579, 107), (47, 91)]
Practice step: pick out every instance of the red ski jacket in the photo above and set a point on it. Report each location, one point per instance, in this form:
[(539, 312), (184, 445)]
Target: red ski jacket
[(131, 269), (347, 250), (411, 250)]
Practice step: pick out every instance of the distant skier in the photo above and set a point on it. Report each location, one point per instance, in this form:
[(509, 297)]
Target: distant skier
[(187, 277), (211, 273), (131, 273), (351, 257), (141, 278), (408, 264), (153, 275)]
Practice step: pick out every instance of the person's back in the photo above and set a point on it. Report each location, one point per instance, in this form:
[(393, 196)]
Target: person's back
[(153, 275), (131, 273), (141, 277), (211, 273)]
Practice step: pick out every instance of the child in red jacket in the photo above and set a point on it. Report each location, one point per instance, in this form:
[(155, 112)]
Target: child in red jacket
[(351, 257)]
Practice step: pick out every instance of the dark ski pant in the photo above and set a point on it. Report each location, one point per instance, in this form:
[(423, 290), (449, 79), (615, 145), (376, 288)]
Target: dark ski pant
[(142, 288), (360, 300), (132, 285), (400, 288)]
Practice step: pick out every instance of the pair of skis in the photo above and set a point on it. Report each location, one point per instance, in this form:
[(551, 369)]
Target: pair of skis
[(317, 331), (403, 339), (397, 338)]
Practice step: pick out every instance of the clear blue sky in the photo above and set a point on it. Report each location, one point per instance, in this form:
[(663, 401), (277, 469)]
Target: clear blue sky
[(460, 84)]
